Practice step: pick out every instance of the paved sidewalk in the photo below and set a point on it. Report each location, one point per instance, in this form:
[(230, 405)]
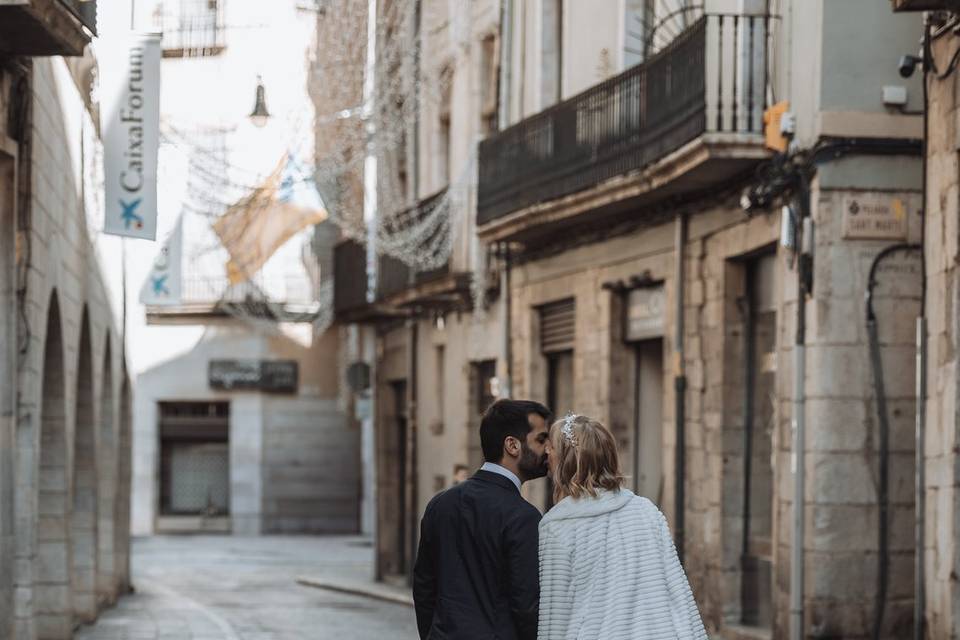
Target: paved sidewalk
[(228, 588), (365, 588)]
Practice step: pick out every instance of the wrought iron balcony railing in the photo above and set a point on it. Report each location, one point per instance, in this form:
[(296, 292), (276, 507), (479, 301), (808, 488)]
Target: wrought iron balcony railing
[(711, 78), (292, 290), (191, 28), (289, 298), (393, 275), (350, 277)]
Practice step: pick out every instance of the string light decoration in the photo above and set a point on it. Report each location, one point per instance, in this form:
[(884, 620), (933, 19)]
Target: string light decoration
[(408, 88), (417, 54), (339, 132)]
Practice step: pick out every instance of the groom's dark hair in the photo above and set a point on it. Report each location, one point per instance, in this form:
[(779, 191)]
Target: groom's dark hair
[(507, 418)]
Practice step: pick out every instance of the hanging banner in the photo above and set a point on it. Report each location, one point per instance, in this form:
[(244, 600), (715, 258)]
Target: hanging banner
[(254, 228), (163, 285), (130, 122)]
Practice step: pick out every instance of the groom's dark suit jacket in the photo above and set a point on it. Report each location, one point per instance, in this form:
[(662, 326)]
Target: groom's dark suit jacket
[(477, 576)]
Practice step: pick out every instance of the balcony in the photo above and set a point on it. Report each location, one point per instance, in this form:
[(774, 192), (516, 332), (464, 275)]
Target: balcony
[(191, 28), (350, 285), (397, 295), (205, 299), (47, 27), (684, 122)]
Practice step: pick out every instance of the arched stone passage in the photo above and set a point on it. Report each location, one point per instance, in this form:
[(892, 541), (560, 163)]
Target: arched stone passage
[(53, 607), (106, 578), (121, 521), (83, 521)]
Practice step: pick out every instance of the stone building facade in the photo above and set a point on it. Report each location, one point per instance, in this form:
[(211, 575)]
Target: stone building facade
[(601, 324), (65, 412), (664, 242), (432, 340), (940, 562), (250, 461)]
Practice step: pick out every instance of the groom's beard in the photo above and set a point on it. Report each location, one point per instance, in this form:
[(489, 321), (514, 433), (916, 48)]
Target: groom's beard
[(530, 464)]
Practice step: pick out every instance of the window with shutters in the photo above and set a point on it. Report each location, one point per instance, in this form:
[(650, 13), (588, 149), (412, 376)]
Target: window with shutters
[(489, 85), (557, 326), (551, 53), (444, 137)]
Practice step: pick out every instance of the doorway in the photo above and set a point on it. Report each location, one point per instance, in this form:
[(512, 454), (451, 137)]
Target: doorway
[(559, 396), (194, 466), (557, 341), (647, 437), (759, 361), (483, 376), (396, 459)]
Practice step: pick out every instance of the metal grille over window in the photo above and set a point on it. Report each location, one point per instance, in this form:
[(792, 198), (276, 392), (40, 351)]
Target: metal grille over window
[(200, 478), (195, 458), (557, 326)]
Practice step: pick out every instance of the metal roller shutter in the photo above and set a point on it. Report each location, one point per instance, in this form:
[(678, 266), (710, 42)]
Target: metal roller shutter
[(557, 326)]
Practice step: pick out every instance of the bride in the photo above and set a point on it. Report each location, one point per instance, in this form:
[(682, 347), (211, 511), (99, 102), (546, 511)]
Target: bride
[(608, 567)]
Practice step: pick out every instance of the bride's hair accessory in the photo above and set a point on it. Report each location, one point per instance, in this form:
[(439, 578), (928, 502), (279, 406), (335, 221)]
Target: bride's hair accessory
[(567, 429)]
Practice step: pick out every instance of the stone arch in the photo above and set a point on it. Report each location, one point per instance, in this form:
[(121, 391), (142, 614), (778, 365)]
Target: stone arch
[(53, 606), (121, 519), (83, 520), (106, 576)]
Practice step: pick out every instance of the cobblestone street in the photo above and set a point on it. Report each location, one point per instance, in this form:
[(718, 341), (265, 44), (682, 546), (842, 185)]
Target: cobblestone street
[(234, 588)]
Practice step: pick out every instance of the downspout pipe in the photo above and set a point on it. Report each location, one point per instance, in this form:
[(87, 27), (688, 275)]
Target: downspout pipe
[(370, 224), (413, 326), (504, 82), (506, 320), (920, 498), (679, 387), (883, 497), (798, 459)]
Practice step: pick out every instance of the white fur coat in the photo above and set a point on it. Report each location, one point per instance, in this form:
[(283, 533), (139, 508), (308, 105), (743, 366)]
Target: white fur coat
[(609, 571)]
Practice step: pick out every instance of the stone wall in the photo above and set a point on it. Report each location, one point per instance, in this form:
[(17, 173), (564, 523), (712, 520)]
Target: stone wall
[(294, 460), (941, 240), (311, 454), (842, 441), (61, 535)]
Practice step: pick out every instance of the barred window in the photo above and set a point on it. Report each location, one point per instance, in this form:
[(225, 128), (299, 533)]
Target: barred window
[(191, 28)]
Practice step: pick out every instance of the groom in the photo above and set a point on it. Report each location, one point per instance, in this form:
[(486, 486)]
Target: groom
[(476, 575)]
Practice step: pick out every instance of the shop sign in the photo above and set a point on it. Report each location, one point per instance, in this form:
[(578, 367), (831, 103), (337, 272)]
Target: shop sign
[(130, 120), (254, 375), (645, 313)]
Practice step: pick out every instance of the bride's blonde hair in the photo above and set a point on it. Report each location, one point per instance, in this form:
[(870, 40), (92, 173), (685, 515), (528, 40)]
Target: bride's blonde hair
[(586, 458)]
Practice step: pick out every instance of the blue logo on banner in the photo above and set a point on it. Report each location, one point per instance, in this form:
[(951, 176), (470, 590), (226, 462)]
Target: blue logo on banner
[(160, 285), (129, 215)]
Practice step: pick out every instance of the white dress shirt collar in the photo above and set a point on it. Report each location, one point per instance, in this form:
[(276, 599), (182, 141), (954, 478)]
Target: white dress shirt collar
[(503, 471)]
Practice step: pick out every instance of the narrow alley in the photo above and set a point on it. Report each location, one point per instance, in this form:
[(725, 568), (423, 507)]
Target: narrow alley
[(244, 588)]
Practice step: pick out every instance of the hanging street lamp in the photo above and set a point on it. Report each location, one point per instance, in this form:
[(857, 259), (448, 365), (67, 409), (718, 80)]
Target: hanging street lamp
[(260, 115)]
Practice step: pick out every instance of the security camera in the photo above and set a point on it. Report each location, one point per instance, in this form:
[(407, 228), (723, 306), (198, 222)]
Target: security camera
[(907, 64)]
